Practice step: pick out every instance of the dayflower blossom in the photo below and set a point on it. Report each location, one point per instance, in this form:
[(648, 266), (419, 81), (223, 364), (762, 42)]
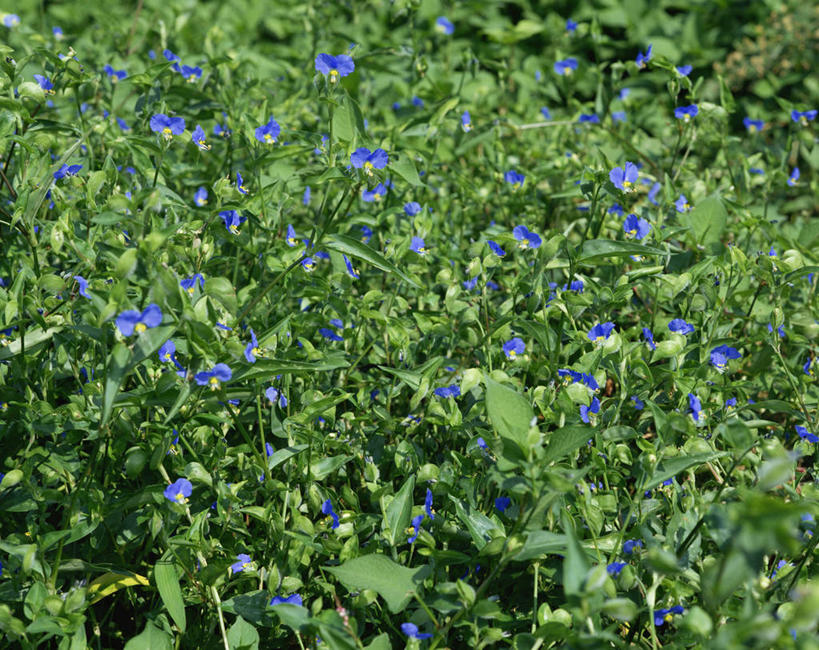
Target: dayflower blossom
[(67, 170), (497, 250), (189, 284), (411, 629), (590, 118), (680, 326), (566, 66), (652, 193), (412, 208), (721, 354), (615, 568), (417, 246), (513, 347), (571, 25), (374, 194), (116, 75), (600, 332), (624, 178), (466, 122), (327, 509), (685, 113), (167, 352), (232, 220), (444, 25), (642, 59), (630, 545), (308, 264), (639, 404), (240, 184), (201, 196), (167, 126), (292, 599), (587, 411), (363, 158), (753, 125), (243, 563), (11, 20), (684, 70), (267, 133), (649, 337), (809, 368), (415, 528), (682, 204), (131, 321), (428, 503), (191, 73), (514, 178), (793, 179), (178, 491), (198, 137), (83, 291), (806, 435), (502, 503), (45, 84), (636, 227), (445, 392), (252, 349), (352, 271), (803, 117), (274, 395), (663, 616), (526, 238), (214, 377), (695, 406), (329, 334), (334, 67)]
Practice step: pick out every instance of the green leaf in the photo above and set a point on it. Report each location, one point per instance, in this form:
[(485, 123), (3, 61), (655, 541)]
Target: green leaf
[(541, 543), (116, 370), (478, 524), (243, 636), (575, 565), (405, 168), (399, 512), (598, 249), (394, 583), (151, 638), (669, 468), (509, 412), (281, 455), (350, 246), (167, 582), (566, 441), (327, 466), (271, 367), (707, 220)]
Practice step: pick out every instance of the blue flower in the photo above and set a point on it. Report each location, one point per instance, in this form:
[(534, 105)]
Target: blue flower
[(685, 113), (721, 354), (684, 70), (374, 194), (167, 126), (794, 177), (756, 170), (663, 616), (243, 563), (232, 220), (566, 66), (274, 395), (116, 75), (513, 347), (327, 509), (131, 321), (364, 158), (617, 209), (809, 368), (502, 503), (631, 544), (571, 26), (623, 178), (221, 372), (329, 334), (587, 411), (753, 125), (618, 116), (445, 392), (83, 286), (636, 227), (546, 114), (198, 138), (695, 406), (806, 435), (443, 25), (652, 193), (67, 170), (680, 326), (415, 528), (411, 629), (191, 73), (267, 133), (515, 179), (189, 284), (642, 59), (469, 285), (201, 196), (353, 273), (308, 264), (167, 352), (179, 490), (417, 102), (417, 246), (591, 118), (649, 337), (252, 348), (45, 84), (497, 250), (292, 239), (803, 117), (600, 332), (123, 124), (639, 404), (11, 20), (240, 184), (292, 599), (682, 204), (57, 32), (730, 403), (526, 238), (615, 568), (780, 330), (466, 122), (428, 503), (412, 208)]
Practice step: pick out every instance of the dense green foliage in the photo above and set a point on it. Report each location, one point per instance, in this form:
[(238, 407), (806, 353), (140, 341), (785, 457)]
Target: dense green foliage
[(539, 372)]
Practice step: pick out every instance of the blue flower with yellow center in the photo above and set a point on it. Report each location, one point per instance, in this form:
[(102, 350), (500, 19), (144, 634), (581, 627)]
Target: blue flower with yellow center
[(179, 491), (363, 158), (131, 321), (214, 377), (334, 67), (198, 138), (600, 332), (167, 126)]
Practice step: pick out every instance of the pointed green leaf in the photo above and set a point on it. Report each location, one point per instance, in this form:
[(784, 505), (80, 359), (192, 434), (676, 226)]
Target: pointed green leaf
[(350, 246), (167, 582), (399, 512)]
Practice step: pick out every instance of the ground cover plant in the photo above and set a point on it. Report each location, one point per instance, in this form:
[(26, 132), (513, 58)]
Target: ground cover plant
[(408, 325)]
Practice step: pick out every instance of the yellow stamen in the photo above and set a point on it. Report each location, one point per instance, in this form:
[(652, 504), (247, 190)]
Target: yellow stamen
[(368, 168), (269, 138), (214, 383), (139, 328), (333, 76)]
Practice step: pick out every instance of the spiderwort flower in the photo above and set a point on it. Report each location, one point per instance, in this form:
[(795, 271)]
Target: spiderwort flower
[(497, 250), (352, 271), (649, 338), (513, 347), (334, 67), (587, 411), (201, 196), (167, 126), (67, 170), (642, 59), (83, 286), (189, 284), (214, 377), (444, 25), (292, 599), (428, 503), (232, 220), (566, 66), (243, 563), (411, 629), (615, 568), (198, 138), (131, 321), (636, 227), (685, 113), (179, 490), (417, 246), (502, 503), (721, 354), (682, 204), (514, 178), (327, 509), (663, 616), (466, 122), (631, 544), (753, 125), (45, 84), (806, 435), (600, 332), (680, 326), (803, 117), (267, 133), (694, 406), (415, 528), (363, 158), (624, 178), (526, 238), (794, 177), (240, 184), (374, 194)]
